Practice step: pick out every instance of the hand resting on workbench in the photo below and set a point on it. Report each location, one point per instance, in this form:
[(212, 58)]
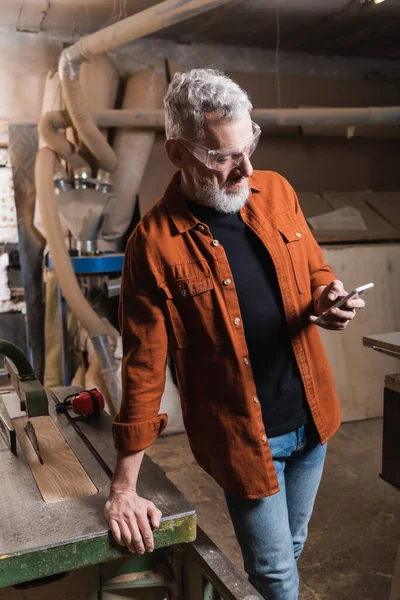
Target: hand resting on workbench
[(130, 517), (338, 318)]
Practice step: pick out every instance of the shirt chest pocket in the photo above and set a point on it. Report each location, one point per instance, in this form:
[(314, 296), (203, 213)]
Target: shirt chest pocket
[(292, 237), (193, 311)]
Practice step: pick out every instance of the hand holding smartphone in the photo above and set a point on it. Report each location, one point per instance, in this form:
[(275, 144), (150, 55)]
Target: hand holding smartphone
[(361, 290)]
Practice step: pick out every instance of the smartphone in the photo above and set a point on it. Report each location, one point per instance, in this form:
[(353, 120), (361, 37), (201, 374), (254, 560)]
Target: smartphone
[(361, 290)]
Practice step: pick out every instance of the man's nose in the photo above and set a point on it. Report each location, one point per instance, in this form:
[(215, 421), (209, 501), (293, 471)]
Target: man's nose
[(245, 167)]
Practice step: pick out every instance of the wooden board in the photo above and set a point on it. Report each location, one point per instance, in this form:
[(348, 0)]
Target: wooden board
[(393, 382), (386, 204), (359, 371), (384, 341), (313, 205), (61, 477), (378, 227)]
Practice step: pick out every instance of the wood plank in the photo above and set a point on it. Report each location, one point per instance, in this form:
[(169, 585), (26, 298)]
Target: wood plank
[(61, 477), (386, 204), (384, 341), (313, 205), (393, 382), (378, 227)]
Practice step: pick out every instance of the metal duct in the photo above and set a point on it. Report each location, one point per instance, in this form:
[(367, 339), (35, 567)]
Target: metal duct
[(96, 328), (99, 83), (132, 148)]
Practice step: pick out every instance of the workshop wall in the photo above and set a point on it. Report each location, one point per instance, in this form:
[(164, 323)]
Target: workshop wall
[(25, 59), (311, 163), (318, 163)]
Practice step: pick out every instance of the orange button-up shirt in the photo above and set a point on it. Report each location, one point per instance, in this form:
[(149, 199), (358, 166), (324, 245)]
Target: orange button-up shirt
[(178, 295)]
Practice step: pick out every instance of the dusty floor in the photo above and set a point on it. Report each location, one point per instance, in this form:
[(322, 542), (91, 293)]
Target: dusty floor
[(355, 528)]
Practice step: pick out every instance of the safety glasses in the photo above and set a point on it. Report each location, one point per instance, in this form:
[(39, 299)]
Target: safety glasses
[(228, 158)]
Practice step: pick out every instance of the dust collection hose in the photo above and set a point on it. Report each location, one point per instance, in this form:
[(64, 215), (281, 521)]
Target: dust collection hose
[(132, 148), (157, 17), (49, 126), (97, 329)]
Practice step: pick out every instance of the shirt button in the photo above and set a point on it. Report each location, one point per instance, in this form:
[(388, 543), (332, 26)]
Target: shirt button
[(246, 360), (256, 400), (215, 243), (200, 227), (184, 293), (227, 281), (298, 234), (236, 321), (264, 438)]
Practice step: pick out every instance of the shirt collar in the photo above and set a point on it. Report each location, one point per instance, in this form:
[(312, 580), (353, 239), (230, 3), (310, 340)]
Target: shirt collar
[(178, 209)]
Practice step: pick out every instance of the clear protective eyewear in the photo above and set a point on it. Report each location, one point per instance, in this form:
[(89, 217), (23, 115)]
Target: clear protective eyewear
[(224, 159)]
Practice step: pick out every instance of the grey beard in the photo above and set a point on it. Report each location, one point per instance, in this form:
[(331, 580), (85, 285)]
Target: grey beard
[(219, 199)]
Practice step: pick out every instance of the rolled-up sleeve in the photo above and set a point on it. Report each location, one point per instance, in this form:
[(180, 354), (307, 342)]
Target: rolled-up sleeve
[(320, 272), (145, 347)]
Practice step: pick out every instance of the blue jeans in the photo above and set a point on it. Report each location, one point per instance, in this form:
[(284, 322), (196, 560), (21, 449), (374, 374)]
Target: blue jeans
[(272, 531)]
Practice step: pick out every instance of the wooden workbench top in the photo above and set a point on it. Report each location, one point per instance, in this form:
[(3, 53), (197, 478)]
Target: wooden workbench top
[(38, 539), (384, 341)]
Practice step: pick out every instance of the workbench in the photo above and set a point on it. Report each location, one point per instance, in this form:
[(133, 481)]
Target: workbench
[(389, 344), (39, 539)]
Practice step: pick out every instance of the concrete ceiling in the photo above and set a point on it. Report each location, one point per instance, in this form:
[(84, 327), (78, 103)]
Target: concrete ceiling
[(347, 27)]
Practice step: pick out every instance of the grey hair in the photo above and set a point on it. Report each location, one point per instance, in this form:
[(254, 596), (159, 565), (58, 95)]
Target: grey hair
[(193, 94)]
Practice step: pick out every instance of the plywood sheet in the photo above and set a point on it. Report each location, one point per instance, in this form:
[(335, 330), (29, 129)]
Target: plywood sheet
[(387, 204), (313, 205), (375, 223), (341, 219), (384, 341), (61, 476), (359, 371)]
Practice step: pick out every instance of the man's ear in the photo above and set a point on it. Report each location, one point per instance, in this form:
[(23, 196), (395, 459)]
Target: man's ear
[(176, 153)]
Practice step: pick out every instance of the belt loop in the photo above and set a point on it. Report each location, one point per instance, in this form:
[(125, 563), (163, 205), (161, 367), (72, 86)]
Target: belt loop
[(301, 437)]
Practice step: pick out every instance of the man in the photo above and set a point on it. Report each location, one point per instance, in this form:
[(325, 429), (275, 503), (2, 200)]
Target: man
[(224, 274)]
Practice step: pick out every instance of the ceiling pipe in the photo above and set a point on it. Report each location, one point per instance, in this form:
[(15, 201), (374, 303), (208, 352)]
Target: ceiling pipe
[(142, 119), (265, 117), (51, 122), (49, 126), (298, 117), (153, 19)]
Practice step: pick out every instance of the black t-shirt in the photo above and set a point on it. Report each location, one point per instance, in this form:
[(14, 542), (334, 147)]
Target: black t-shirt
[(276, 375)]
